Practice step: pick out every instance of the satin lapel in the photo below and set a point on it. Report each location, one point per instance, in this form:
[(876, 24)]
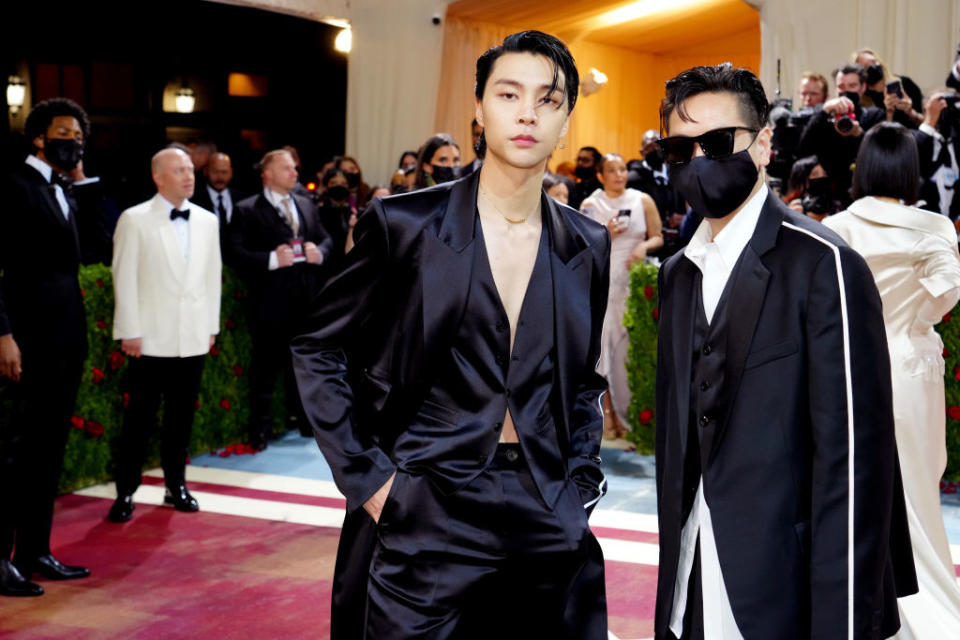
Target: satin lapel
[(168, 237), (571, 267), (676, 325), (447, 267)]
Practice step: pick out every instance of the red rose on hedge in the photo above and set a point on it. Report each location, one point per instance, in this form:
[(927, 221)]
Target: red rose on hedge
[(645, 416), (214, 351), (101, 324), (98, 375), (116, 360), (238, 294), (954, 412), (225, 404), (946, 317), (76, 422), (237, 370), (198, 403), (648, 292), (94, 428), (231, 324), (656, 315), (126, 400), (956, 373), (100, 283)]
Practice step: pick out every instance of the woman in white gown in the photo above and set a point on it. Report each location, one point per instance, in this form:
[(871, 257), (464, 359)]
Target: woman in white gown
[(634, 224), (913, 256)]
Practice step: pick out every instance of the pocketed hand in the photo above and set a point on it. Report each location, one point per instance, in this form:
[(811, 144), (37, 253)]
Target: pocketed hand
[(374, 506)]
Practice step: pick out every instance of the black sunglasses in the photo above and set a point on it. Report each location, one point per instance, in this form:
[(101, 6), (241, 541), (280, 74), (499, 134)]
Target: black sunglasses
[(716, 143)]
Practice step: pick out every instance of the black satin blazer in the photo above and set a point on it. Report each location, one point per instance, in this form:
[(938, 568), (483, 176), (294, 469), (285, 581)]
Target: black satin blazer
[(379, 325)]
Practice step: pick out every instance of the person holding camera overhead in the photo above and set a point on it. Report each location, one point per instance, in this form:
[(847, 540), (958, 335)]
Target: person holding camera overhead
[(914, 259), (633, 221)]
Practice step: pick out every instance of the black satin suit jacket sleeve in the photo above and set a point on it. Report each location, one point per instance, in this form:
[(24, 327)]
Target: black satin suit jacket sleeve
[(359, 466)]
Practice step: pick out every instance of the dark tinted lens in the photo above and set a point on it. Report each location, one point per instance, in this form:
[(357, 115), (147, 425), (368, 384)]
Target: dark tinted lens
[(717, 143), (676, 150)]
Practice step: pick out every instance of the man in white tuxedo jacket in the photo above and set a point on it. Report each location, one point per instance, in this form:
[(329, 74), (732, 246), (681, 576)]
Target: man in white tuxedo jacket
[(166, 279)]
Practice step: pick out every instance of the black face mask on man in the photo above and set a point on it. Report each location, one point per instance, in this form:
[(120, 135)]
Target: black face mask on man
[(64, 153), (444, 174), (584, 173), (715, 187)]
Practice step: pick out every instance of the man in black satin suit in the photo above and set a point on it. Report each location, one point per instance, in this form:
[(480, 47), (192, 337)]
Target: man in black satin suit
[(781, 509), (450, 380), (277, 244), (43, 336)]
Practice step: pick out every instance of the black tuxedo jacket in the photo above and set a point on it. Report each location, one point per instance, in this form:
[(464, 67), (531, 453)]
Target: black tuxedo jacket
[(40, 256), (799, 465), (278, 298), (384, 319), (201, 197), (928, 165)]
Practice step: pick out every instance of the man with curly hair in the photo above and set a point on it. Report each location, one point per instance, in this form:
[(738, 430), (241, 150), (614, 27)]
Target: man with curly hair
[(43, 337)]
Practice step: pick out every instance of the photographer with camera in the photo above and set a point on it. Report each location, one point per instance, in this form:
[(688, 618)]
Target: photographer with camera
[(834, 132), (938, 142), (898, 95)]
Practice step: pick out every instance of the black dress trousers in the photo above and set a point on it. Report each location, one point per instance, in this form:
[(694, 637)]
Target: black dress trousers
[(175, 381), (32, 445), (487, 561)]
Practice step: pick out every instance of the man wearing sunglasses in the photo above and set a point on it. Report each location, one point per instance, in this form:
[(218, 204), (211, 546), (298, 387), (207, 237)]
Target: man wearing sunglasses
[(780, 506)]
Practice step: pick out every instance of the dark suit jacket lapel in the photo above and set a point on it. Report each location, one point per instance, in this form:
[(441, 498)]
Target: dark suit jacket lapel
[(270, 214), (572, 270), (306, 223), (447, 266), (744, 305)]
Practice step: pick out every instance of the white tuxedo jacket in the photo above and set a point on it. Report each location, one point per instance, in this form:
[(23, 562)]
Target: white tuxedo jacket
[(171, 303)]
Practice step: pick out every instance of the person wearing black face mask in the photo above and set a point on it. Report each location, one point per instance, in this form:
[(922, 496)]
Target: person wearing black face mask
[(335, 213), (43, 335), (780, 508), (438, 161), (588, 163), (653, 178), (359, 190)]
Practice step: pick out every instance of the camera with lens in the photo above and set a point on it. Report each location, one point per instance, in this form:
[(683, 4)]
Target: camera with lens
[(844, 122), (950, 116)]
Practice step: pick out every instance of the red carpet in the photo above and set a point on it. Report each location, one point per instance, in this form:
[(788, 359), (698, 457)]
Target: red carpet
[(166, 574)]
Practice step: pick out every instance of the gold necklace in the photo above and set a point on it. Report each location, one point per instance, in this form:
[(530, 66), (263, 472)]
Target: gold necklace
[(486, 194)]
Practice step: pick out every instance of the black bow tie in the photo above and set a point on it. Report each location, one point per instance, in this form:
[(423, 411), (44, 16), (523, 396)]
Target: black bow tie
[(176, 213)]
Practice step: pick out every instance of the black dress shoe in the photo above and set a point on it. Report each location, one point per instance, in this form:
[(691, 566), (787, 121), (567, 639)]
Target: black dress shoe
[(122, 508), (51, 569), (181, 499), (13, 584)]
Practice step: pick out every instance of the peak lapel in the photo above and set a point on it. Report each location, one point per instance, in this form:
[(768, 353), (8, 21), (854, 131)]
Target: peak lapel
[(168, 237)]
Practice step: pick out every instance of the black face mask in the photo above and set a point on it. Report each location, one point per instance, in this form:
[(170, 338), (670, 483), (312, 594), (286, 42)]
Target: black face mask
[(445, 174), (818, 187), (584, 173), (715, 187), (338, 193), (874, 73), (654, 159), (353, 179), (63, 153)]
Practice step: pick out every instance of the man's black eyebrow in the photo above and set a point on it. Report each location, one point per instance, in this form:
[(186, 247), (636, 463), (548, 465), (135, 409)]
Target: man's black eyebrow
[(518, 84)]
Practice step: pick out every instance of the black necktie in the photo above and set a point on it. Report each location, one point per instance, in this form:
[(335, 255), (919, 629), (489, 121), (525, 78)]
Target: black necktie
[(222, 210), (176, 213), (65, 183)]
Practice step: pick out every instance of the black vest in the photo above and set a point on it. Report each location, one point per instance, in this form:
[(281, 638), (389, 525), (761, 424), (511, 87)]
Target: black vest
[(478, 379), (706, 383)]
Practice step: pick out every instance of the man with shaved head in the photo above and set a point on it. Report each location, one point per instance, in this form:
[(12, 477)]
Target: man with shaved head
[(166, 279), (653, 178), (214, 193)]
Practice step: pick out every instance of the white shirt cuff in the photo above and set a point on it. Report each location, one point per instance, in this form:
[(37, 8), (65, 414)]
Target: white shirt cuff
[(956, 71), (87, 181), (273, 264), (930, 131)]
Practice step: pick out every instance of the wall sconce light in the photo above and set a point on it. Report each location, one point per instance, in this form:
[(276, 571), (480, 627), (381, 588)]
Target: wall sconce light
[(592, 82), (344, 41), (16, 93), (186, 99)]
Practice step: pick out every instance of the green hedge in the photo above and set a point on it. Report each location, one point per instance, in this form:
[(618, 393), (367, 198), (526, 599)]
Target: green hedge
[(223, 411), (640, 320)]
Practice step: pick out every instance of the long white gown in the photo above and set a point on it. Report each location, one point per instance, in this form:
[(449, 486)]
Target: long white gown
[(914, 260), (613, 354)]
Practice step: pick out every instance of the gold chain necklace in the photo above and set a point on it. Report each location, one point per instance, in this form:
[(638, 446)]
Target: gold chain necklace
[(486, 194)]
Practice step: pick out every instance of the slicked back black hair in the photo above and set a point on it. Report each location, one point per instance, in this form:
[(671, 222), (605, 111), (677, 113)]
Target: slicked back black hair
[(721, 78), (888, 164), (42, 115), (538, 43)]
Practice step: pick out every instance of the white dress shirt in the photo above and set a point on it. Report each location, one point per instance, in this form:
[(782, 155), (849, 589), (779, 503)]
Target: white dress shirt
[(276, 200), (227, 203), (945, 177), (181, 226), (716, 258)]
